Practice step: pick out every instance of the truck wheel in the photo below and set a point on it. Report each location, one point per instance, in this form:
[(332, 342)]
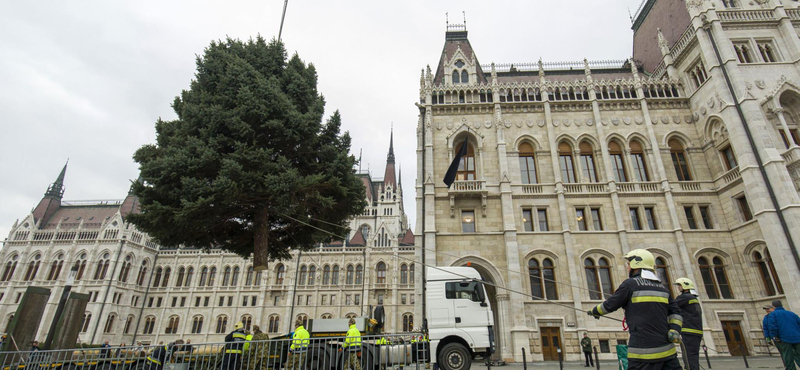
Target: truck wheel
[(454, 357)]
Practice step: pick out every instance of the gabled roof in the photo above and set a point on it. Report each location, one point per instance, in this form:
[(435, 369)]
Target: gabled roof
[(407, 239), (455, 40), (358, 239), (71, 216)]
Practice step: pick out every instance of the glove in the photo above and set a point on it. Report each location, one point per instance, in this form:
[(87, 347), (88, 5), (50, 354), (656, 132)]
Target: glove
[(674, 336), (769, 341), (592, 314)]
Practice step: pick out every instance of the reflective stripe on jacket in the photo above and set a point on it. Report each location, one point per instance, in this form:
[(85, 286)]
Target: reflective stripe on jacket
[(692, 314), (650, 313), (353, 340), (235, 341), (300, 340)]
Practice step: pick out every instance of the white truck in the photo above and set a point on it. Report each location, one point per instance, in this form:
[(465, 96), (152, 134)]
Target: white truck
[(460, 328)]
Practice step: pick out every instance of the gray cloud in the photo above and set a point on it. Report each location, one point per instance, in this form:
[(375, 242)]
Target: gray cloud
[(86, 80)]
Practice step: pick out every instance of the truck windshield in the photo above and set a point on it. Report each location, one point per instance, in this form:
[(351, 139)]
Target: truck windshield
[(463, 291)]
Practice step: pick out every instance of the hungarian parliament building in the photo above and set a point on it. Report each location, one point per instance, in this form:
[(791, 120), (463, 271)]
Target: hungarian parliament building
[(690, 149)]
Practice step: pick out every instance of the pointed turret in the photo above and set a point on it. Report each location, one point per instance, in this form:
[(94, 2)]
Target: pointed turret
[(388, 176), (51, 201)]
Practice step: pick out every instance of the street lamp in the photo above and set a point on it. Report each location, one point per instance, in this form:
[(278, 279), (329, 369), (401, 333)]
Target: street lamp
[(73, 272)]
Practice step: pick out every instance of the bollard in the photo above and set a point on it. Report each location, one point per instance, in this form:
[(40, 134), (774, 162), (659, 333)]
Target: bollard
[(596, 358), (744, 356), (705, 350), (524, 360), (560, 359)]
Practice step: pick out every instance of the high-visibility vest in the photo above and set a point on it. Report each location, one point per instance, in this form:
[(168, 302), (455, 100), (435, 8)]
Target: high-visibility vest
[(353, 340), (247, 339), (382, 341), (300, 340)]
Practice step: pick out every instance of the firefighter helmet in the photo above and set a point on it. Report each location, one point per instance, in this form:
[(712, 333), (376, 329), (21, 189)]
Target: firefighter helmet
[(641, 259), (238, 326), (684, 283)]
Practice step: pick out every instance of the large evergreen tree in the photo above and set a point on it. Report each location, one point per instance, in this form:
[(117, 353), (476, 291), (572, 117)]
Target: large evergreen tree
[(247, 150)]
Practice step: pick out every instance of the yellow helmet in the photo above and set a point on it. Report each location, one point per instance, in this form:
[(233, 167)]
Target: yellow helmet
[(641, 259), (238, 326), (684, 283)]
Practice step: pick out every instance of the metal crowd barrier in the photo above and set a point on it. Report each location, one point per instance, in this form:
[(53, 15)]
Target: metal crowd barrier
[(396, 351)]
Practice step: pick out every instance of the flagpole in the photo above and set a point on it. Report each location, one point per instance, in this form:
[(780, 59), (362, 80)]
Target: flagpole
[(283, 16)]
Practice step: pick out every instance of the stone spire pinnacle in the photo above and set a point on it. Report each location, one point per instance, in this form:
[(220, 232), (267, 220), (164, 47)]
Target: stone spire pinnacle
[(390, 156), (389, 174), (56, 189)]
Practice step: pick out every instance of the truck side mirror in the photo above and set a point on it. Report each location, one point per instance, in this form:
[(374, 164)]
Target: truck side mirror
[(481, 295)]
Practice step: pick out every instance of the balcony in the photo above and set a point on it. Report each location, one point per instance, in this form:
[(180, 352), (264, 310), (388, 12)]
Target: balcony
[(728, 179), (589, 188), (467, 188), (638, 187)]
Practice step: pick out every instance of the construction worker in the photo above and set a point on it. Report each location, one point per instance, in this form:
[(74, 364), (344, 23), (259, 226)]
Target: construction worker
[(258, 351), (692, 330), (157, 359), (299, 347), (352, 346), (234, 345), (651, 313)]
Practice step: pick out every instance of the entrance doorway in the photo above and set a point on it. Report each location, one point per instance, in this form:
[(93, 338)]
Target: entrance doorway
[(551, 342), (491, 294), (734, 337)]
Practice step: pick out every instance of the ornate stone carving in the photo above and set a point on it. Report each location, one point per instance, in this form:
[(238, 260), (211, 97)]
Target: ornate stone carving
[(541, 123), (604, 121), (439, 125), (450, 125), (710, 102), (638, 120), (507, 123), (626, 120), (687, 119), (589, 122), (718, 132), (665, 120), (615, 121), (761, 84), (488, 124), (676, 119), (476, 125), (556, 123), (578, 122), (567, 122), (518, 123), (529, 123)]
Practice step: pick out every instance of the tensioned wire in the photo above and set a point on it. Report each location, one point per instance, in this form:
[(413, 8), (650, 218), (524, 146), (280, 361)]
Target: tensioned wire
[(459, 275)]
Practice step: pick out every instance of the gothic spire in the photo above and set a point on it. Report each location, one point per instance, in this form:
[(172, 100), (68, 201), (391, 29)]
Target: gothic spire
[(389, 174), (56, 189), (390, 156)]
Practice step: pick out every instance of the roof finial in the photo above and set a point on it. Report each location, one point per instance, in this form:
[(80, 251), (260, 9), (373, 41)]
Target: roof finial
[(447, 19), (56, 189), (139, 180), (465, 18)]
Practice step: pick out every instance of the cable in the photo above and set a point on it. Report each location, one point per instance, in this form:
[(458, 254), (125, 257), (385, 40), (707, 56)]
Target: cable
[(459, 275)]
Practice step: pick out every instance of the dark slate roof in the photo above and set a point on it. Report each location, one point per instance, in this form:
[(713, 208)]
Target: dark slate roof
[(407, 239), (358, 239)]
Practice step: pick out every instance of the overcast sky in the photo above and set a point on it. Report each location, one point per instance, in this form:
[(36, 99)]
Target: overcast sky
[(86, 80)]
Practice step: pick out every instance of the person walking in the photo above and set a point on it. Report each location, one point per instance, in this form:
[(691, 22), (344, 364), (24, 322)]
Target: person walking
[(692, 313), (160, 354), (586, 345), (234, 344), (352, 347), (783, 327), (299, 346), (652, 315), (257, 352)]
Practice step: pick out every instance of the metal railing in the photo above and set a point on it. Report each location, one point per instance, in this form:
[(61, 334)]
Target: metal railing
[(323, 353)]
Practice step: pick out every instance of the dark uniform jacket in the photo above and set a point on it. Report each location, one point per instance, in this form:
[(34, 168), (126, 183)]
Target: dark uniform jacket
[(650, 313), (234, 342), (692, 314), (159, 355)]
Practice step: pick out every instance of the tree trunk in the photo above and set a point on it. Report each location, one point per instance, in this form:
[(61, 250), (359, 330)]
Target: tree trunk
[(261, 240)]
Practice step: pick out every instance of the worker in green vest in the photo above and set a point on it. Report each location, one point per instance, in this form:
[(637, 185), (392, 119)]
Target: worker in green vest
[(299, 347), (352, 347)]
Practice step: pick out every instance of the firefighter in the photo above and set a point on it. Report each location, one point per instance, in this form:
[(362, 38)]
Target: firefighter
[(257, 352), (352, 347), (299, 347), (234, 344), (692, 330), (651, 313), (157, 359)]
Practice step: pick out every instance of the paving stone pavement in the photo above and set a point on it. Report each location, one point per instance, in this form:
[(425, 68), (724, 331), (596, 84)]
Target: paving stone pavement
[(717, 363)]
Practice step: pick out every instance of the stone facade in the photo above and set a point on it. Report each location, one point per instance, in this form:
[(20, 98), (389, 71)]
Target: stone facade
[(140, 289), (574, 164)]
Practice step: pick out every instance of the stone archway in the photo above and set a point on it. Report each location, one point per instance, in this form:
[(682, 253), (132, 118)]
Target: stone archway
[(490, 274)]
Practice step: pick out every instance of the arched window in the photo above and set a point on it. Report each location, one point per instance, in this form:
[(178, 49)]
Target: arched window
[(55, 268), (527, 164), (587, 162), (126, 269), (87, 317), (167, 272), (715, 278), (326, 316), (411, 273), (226, 276), (81, 263), (301, 280), (326, 275), (728, 157), (456, 77), (408, 322), (598, 278), (312, 275), (247, 321), (109, 324), (274, 323), (566, 163), (172, 327), (157, 278), (189, 274), (769, 277), (663, 273), (197, 325), (280, 274), (212, 277), (349, 277), (542, 278), (149, 325), (679, 160), (222, 324), (335, 275), (380, 270), (638, 164), (303, 318), (101, 268), (466, 168), (257, 281), (248, 279), (235, 278), (142, 274), (404, 274), (179, 280), (359, 274), (464, 77), (203, 276), (11, 266), (128, 323), (617, 162)]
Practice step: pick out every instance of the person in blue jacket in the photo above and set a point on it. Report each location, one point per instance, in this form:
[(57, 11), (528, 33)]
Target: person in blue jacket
[(784, 328)]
